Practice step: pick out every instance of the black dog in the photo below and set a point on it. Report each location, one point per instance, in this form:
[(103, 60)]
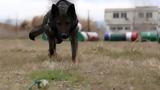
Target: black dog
[(59, 23)]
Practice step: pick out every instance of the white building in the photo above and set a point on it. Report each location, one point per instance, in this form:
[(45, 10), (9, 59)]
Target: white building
[(133, 19)]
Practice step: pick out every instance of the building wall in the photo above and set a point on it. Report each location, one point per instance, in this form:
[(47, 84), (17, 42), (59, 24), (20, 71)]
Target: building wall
[(159, 19), (137, 19), (110, 20)]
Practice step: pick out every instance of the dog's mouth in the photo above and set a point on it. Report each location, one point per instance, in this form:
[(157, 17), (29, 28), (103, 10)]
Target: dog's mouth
[(64, 36)]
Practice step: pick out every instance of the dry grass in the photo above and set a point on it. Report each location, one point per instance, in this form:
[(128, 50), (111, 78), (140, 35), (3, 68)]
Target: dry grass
[(103, 65), (7, 27)]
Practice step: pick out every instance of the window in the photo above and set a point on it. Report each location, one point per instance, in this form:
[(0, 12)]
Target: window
[(153, 28), (127, 28), (123, 15), (115, 15), (149, 15), (112, 28), (141, 15), (119, 28)]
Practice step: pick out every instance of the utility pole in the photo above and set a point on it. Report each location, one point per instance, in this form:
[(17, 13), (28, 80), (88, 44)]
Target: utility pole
[(88, 22), (16, 25), (134, 20)]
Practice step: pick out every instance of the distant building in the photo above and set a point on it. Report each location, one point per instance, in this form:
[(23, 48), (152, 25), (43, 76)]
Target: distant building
[(133, 19)]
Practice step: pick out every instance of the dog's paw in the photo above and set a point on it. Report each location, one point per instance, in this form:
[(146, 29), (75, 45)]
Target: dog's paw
[(74, 61), (31, 36), (59, 41)]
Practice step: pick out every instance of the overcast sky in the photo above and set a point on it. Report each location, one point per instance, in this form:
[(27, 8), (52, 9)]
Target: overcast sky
[(26, 9)]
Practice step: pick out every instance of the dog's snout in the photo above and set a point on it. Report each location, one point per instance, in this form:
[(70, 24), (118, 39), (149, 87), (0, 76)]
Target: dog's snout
[(64, 35)]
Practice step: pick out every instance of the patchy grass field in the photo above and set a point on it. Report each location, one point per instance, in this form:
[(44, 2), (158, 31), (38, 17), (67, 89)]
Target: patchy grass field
[(102, 65)]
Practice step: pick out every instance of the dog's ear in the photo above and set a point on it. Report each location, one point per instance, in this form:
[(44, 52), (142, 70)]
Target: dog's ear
[(71, 11), (54, 10)]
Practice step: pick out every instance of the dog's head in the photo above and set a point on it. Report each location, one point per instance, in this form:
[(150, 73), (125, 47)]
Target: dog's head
[(63, 19)]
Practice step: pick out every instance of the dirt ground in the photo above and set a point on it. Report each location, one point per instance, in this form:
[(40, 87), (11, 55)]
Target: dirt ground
[(103, 65)]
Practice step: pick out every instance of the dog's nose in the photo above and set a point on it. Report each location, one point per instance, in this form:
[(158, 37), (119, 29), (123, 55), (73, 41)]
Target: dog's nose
[(64, 36)]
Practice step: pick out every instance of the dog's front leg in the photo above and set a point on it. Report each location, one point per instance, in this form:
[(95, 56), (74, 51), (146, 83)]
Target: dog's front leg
[(52, 47), (74, 45), (35, 32), (39, 30)]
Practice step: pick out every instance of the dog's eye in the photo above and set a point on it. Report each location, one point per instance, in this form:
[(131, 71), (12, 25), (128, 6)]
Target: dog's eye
[(58, 23), (67, 23)]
